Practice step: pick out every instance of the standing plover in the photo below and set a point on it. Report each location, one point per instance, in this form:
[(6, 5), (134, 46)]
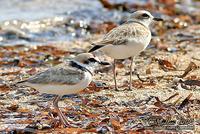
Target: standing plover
[(67, 78), (127, 40)]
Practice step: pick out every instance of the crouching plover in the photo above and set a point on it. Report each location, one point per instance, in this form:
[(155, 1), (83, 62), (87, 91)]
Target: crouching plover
[(67, 78), (127, 40)]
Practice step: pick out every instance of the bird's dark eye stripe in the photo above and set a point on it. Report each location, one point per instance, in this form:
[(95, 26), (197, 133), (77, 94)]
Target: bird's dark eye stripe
[(92, 60), (145, 15)]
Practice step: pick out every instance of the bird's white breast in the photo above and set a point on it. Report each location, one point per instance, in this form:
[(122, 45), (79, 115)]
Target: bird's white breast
[(131, 49), (63, 89)]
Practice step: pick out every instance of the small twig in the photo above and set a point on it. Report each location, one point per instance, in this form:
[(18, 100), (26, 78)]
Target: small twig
[(118, 6), (171, 97), (191, 66)]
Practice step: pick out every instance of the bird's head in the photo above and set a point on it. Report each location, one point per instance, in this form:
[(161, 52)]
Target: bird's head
[(144, 17), (89, 59)]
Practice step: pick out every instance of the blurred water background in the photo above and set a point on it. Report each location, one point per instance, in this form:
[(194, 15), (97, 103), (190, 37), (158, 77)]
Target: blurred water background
[(47, 21), (52, 21)]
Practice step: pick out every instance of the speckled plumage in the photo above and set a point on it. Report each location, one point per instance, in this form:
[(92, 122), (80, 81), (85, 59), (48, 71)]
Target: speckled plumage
[(121, 34)]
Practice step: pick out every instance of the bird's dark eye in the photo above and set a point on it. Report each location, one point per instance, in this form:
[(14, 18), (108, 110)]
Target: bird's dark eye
[(145, 15), (90, 60), (86, 62)]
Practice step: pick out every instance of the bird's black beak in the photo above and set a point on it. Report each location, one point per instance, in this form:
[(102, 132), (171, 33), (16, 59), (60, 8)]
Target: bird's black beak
[(157, 19), (104, 63), (93, 60)]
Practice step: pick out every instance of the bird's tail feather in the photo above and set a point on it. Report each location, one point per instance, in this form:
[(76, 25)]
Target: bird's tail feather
[(96, 47)]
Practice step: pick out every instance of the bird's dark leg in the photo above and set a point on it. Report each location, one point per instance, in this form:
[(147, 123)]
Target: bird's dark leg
[(114, 72), (60, 114), (131, 72)]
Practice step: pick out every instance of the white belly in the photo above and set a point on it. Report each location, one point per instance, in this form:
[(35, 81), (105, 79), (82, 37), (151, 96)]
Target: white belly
[(125, 51), (63, 89)]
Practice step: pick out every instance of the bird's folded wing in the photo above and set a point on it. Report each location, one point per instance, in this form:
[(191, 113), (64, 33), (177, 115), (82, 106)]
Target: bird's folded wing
[(58, 75), (120, 35)]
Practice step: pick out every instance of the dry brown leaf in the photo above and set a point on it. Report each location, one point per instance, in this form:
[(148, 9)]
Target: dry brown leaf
[(94, 87), (116, 124), (96, 103), (14, 47), (166, 65), (102, 28), (27, 121), (106, 4), (130, 111), (31, 71), (110, 95), (110, 6), (193, 77), (92, 125), (160, 110), (10, 73), (23, 110), (48, 49), (13, 107), (78, 130), (168, 2), (139, 84), (105, 120), (73, 130), (141, 131), (91, 115), (4, 88), (86, 91)]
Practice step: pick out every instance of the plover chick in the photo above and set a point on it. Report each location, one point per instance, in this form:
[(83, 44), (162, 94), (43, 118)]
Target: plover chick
[(64, 79), (127, 40)]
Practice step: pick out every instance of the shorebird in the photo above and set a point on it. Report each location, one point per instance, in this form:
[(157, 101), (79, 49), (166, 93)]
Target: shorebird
[(127, 40), (64, 79)]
